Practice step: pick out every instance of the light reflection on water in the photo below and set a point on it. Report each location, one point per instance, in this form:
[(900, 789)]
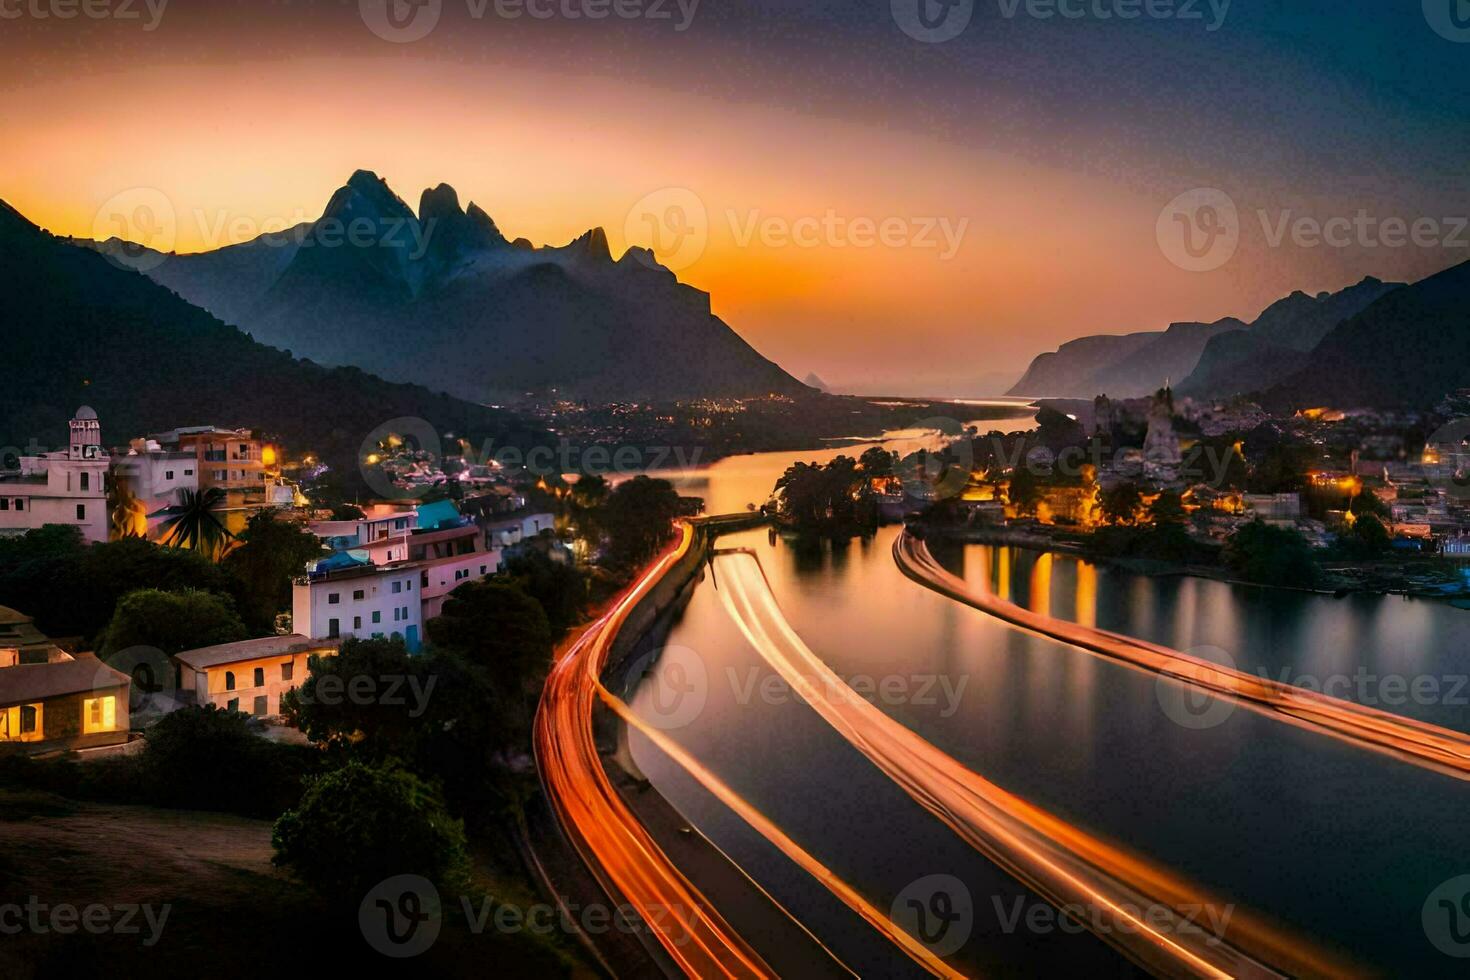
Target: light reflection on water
[(1334, 842)]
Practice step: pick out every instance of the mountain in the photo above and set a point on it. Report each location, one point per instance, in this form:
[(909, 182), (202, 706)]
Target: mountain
[(1408, 349), (442, 298), (812, 380), (1126, 366), (1277, 343), (81, 330)]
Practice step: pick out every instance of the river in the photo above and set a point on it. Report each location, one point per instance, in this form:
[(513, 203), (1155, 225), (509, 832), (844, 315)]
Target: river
[(1335, 845)]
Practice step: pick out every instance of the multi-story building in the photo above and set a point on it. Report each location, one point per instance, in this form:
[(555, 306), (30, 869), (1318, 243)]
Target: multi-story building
[(67, 487), (343, 596), (230, 459), (250, 676)]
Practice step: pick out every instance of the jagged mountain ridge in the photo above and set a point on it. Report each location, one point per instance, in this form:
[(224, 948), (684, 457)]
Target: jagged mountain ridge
[(442, 297), (81, 330), (1121, 366)]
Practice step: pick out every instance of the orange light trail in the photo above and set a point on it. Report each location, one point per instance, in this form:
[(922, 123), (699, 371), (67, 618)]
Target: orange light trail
[(1420, 743), (612, 842), (1057, 860)]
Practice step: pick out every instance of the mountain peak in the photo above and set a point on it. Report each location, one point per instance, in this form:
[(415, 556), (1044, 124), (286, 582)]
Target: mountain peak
[(593, 245), (439, 202)]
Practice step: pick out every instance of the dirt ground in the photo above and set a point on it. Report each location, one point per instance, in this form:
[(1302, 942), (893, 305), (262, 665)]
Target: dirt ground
[(219, 908)]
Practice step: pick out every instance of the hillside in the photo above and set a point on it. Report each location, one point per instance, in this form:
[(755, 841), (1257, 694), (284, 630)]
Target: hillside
[(442, 298), (1127, 366), (1277, 343), (79, 330), (1407, 350)]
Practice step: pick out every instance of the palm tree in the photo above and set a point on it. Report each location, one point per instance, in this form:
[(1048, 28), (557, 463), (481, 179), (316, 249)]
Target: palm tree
[(195, 525)]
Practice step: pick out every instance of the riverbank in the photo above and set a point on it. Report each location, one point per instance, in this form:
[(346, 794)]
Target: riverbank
[(1399, 577)]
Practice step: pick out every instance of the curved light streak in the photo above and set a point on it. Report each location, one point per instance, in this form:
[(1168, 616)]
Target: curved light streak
[(1057, 860), (1420, 743)]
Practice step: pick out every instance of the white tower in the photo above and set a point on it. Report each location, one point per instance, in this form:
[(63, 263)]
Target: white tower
[(86, 435)]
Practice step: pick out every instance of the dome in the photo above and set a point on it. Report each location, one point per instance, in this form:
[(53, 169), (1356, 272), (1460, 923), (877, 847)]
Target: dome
[(86, 414)]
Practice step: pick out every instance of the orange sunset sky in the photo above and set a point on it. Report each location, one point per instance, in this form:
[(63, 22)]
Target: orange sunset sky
[(247, 117)]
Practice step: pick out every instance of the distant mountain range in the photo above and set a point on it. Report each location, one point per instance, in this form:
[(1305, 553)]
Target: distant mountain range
[(1406, 350), (1126, 366), (1203, 360), (443, 298), (80, 330)]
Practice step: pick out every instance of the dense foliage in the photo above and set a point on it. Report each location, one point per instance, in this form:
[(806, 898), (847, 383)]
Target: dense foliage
[(172, 622)]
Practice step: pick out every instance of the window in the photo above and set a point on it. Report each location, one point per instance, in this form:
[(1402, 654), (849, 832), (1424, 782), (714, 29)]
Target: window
[(400, 524), (168, 474), (377, 616), (334, 598), (397, 587), (260, 707), (233, 704), (99, 715), (395, 614), (4, 504), (21, 723), (81, 512), (288, 670), (86, 481), (357, 622), (482, 569), (188, 472), (358, 595), (260, 677), (20, 503), (229, 680), (334, 629)]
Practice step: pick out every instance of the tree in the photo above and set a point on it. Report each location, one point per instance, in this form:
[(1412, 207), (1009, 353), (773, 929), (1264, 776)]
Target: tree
[(206, 758), (877, 462), (1121, 504), (638, 520), (196, 525), (1167, 510), (271, 553), (1024, 490), (1368, 538), (172, 621), (1260, 552), (494, 623), (558, 586), (362, 824)]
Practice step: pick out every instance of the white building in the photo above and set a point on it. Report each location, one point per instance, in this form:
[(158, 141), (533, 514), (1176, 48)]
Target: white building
[(67, 488), (343, 596)]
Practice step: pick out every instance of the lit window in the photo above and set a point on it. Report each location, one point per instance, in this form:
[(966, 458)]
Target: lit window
[(99, 715), (21, 723)]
